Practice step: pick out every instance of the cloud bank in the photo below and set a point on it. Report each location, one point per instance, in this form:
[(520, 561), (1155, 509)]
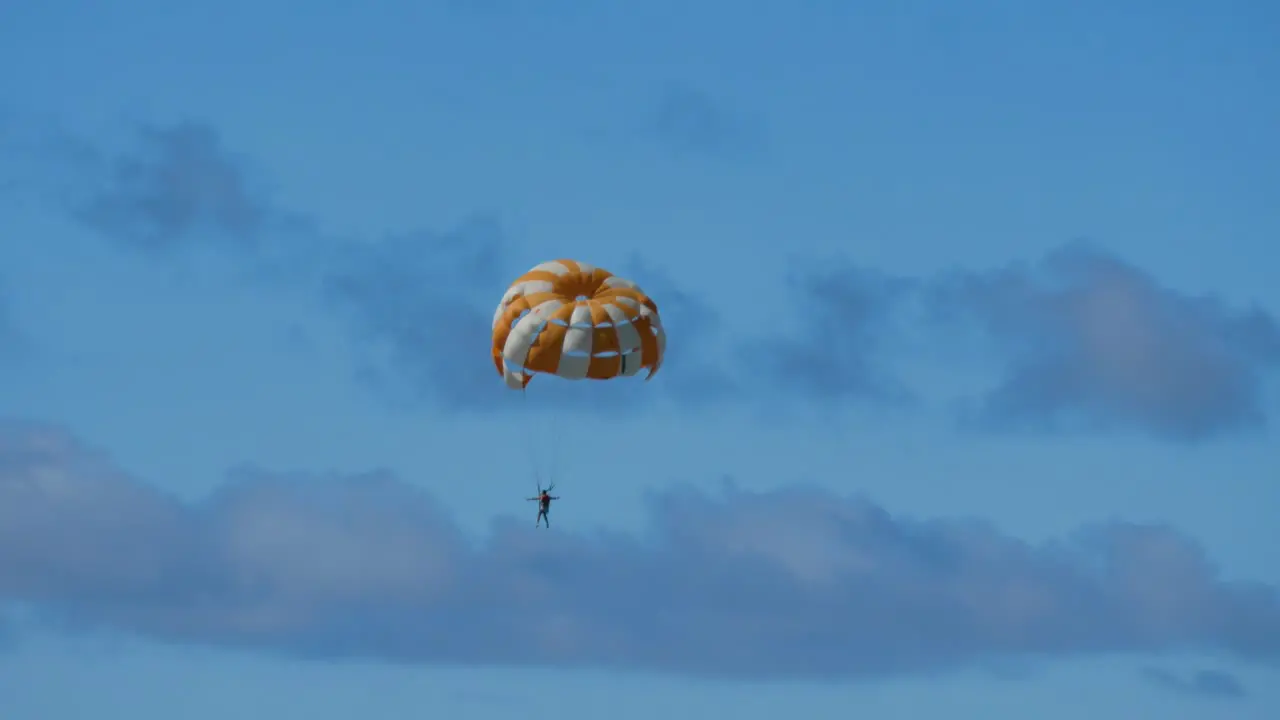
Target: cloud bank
[(1212, 684), (1086, 341), (788, 584)]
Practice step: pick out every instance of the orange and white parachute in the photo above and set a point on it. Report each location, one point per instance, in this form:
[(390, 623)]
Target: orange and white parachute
[(575, 321)]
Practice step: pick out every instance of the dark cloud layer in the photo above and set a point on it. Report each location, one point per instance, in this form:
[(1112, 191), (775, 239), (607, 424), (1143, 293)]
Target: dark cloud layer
[(794, 583), (1213, 684)]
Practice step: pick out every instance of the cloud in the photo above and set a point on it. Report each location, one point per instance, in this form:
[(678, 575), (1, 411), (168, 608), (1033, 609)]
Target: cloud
[(13, 341), (8, 633), (1212, 684), (1095, 343), (419, 304), (844, 315), (795, 583), (420, 298), (1087, 341), (690, 121), (694, 331), (179, 186), (427, 299), (6, 322)]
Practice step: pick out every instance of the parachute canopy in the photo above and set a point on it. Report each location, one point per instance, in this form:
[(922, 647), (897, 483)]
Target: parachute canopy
[(575, 321)]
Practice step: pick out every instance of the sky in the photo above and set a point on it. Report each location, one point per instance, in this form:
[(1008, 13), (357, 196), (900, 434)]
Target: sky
[(968, 410)]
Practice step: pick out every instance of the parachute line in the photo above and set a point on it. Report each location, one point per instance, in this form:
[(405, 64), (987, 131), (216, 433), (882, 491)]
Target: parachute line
[(530, 441), (567, 320)]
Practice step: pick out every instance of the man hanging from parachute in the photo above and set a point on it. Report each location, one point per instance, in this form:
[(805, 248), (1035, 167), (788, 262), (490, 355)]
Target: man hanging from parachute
[(577, 322), (544, 498)]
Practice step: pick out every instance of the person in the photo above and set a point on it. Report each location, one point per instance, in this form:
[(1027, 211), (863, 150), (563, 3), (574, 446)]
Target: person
[(544, 499)]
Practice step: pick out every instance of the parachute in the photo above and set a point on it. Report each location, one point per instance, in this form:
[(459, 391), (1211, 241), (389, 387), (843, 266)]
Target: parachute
[(575, 321)]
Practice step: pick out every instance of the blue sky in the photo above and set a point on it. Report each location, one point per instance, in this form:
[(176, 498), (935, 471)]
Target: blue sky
[(968, 411)]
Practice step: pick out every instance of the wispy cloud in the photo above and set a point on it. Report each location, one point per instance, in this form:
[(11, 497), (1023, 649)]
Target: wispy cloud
[(694, 331), (6, 322), (793, 583), (427, 299), (1087, 341), (419, 298), (8, 633), (13, 341), (690, 121), (1095, 343), (180, 185), (419, 303), (844, 316), (1213, 684)]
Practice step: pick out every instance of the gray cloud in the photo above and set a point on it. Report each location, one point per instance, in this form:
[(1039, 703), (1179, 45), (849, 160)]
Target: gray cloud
[(8, 632), (14, 342), (1089, 341), (792, 583), (179, 186), (419, 303), (691, 121), (690, 372), (1095, 343), (428, 299), (419, 298), (847, 313), (6, 321), (1213, 684)]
